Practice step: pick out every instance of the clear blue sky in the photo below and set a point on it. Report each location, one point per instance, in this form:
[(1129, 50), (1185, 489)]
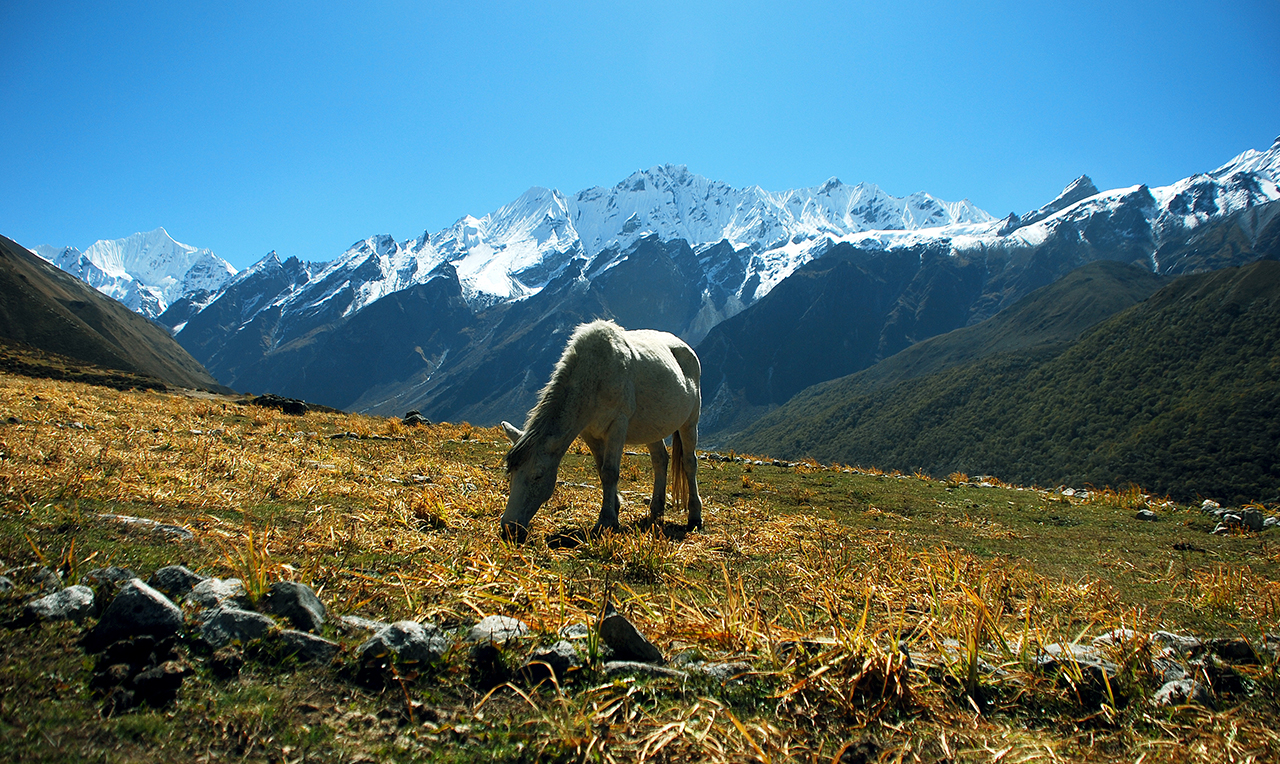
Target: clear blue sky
[(303, 127)]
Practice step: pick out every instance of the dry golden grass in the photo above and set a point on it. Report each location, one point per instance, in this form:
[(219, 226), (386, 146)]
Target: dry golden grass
[(825, 601)]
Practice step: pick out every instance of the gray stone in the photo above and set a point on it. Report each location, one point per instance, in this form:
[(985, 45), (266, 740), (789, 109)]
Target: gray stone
[(213, 592), (1252, 519), (560, 660), (353, 624), (296, 602), (36, 577), (6, 584), (637, 668), (575, 631), (498, 629), (1176, 644), (1270, 522), (627, 643), (725, 672), (407, 642), (176, 581), (1180, 692), (1208, 505), (1147, 515), (108, 579), (154, 526), (72, 603), (308, 647), (1058, 655), (136, 610), (226, 624)]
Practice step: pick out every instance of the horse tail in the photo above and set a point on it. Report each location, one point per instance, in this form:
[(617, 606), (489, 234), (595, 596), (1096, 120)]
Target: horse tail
[(679, 478)]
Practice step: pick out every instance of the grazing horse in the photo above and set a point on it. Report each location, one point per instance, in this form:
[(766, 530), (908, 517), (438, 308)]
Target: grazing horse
[(612, 387)]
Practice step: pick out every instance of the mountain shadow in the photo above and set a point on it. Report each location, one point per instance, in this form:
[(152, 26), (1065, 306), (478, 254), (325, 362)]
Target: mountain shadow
[(1179, 394), (48, 309)]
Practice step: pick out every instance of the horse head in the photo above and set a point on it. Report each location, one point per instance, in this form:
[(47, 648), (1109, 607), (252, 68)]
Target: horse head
[(533, 480)]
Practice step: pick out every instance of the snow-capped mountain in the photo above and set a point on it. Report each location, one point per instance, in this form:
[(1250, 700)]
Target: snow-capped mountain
[(145, 271)]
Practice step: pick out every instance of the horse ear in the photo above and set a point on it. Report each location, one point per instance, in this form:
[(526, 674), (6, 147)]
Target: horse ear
[(513, 434)]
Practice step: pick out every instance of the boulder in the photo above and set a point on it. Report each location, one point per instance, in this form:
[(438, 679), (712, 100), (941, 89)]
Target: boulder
[(136, 610), (354, 624), (214, 592), (297, 603), (405, 642), (627, 643), (176, 581), (497, 629), (226, 624), (107, 580), (1147, 515), (560, 660), (414, 419), (1181, 692), (637, 668), (308, 647), (71, 604)]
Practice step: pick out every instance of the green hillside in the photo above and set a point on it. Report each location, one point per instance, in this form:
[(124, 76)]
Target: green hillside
[(1178, 394)]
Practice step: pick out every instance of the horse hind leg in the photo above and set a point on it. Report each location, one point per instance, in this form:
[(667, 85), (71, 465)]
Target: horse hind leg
[(684, 451), (658, 502)]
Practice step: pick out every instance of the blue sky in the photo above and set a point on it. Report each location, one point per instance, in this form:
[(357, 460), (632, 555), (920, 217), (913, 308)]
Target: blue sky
[(303, 127)]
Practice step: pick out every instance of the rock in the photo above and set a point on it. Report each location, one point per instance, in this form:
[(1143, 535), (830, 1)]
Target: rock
[(1147, 515), (308, 647), (1180, 692), (1176, 644), (575, 631), (406, 642), (414, 419), (1252, 519), (158, 686), (1070, 657), (6, 584), (1270, 522), (214, 592), (225, 662), (291, 406), (497, 629), (72, 603), (109, 579), (136, 610), (488, 669), (155, 526), (638, 668), (1208, 505), (297, 603), (227, 624), (725, 672), (34, 577), (175, 581), (354, 624), (560, 660), (627, 643), (1237, 651), (1115, 637)]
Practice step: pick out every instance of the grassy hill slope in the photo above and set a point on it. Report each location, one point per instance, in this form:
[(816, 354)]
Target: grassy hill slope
[(45, 308), (1178, 394)]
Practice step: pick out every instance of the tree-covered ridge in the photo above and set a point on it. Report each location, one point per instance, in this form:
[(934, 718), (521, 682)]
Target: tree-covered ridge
[(1178, 394)]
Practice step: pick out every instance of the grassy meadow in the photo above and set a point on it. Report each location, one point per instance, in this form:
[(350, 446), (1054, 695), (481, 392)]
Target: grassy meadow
[(899, 613)]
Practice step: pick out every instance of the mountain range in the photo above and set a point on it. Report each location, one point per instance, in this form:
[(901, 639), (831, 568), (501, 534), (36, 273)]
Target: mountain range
[(778, 291)]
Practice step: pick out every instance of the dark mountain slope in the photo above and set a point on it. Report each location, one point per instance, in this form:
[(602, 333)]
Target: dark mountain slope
[(1179, 394), (48, 309)]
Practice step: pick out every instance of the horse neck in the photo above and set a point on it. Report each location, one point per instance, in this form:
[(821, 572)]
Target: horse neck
[(562, 412)]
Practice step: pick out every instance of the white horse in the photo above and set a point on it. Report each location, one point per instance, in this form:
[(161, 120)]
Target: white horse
[(612, 387)]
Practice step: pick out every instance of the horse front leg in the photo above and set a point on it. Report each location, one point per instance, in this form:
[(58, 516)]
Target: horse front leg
[(610, 466), (597, 452), (658, 502)]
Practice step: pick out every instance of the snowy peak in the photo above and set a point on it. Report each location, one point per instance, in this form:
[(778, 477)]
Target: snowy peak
[(145, 271)]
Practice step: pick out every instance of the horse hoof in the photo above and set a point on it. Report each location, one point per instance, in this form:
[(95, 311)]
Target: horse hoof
[(514, 533)]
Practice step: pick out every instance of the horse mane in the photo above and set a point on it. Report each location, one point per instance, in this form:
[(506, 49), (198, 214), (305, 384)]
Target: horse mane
[(552, 399)]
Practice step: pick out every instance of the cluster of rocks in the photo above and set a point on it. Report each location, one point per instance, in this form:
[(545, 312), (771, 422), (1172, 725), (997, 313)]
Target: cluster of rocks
[(1237, 519), (150, 635), (716, 457), (1184, 670), (414, 418), (285, 405)]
